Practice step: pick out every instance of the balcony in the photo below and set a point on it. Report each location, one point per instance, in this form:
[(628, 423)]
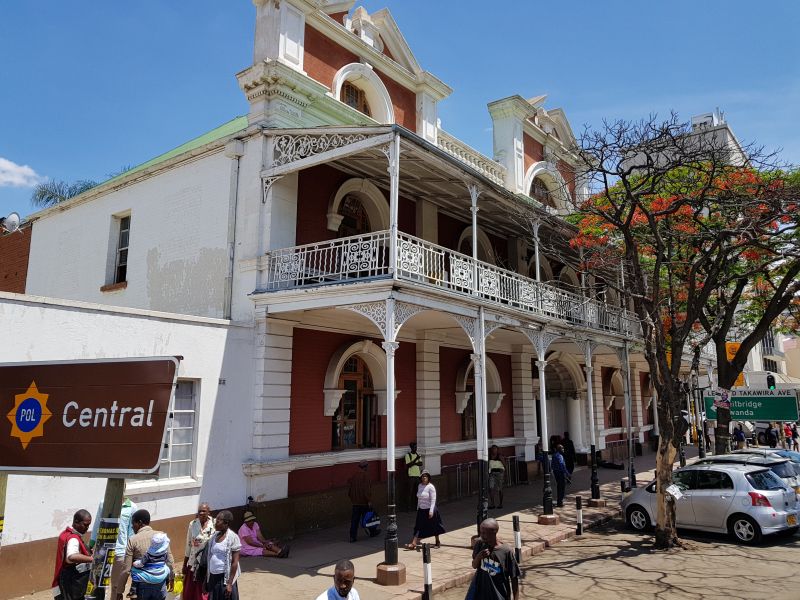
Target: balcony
[(770, 350), (372, 256)]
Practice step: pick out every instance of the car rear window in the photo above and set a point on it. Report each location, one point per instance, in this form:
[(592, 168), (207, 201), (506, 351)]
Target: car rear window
[(783, 470), (764, 480)]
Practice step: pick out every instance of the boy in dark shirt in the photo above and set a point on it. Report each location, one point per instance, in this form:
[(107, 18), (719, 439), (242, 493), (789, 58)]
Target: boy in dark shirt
[(497, 573)]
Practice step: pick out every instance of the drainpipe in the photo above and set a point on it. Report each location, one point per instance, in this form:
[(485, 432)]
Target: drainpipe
[(233, 150)]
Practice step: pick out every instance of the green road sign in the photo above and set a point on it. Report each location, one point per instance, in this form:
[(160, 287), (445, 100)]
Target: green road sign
[(757, 405)]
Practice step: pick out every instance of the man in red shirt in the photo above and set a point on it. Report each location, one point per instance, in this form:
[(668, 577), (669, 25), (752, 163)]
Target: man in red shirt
[(73, 560)]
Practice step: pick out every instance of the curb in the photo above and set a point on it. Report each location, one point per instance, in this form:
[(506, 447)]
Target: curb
[(529, 549)]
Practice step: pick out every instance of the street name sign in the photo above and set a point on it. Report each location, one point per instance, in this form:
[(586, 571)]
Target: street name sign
[(103, 418), (756, 405)]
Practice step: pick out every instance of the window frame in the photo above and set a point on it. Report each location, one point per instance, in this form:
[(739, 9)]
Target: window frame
[(118, 263), (169, 445)]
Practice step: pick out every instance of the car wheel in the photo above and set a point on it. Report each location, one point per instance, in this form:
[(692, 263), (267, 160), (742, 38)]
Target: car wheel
[(744, 529), (638, 518), (762, 439)]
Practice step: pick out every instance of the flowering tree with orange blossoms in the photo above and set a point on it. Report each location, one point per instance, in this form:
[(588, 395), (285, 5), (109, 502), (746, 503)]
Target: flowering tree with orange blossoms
[(706, 234)]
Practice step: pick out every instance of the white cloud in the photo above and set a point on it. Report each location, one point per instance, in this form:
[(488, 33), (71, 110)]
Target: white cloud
[(14, 175)]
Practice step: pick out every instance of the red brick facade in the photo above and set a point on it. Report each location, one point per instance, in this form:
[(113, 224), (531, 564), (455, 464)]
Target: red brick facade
[(534, 151), (14, 253), (323, 58)]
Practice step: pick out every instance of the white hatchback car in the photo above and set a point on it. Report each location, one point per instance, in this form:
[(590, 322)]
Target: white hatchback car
[(746, 501)]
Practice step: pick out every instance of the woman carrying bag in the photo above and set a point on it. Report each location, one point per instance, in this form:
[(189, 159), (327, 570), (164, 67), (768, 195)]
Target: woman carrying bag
[(199, 532), (223, 560)]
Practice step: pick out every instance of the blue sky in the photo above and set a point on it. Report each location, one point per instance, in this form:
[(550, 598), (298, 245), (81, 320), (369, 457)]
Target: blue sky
[(88, 87)]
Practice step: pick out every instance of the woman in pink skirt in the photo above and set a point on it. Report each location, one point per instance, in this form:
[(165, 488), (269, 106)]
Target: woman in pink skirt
[(254, 543)]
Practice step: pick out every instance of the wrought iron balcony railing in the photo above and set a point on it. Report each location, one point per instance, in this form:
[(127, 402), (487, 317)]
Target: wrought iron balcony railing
[(368, 257)]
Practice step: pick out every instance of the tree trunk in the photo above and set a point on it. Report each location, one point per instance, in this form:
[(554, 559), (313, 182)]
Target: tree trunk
[(722, 432), (666, 531)]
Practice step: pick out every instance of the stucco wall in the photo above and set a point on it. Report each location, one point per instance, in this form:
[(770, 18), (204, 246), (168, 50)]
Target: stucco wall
[(177, 260)]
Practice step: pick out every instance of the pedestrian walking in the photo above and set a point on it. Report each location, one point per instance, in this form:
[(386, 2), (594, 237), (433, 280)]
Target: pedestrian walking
[(496, 570), (772, 436), (560, 474), (360, 493), (73, 559), (569, 452), (795, 438), (223, 560), (429, 521), (124, 533), (155, 587), (413, 463), (497, 477), (739, 437), (200, 530), (344, 574)]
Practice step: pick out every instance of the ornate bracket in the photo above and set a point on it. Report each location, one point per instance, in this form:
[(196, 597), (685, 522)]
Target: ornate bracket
[(374, 311), (268, 183), (377, 312), (490, 326), (290, 148), (541, 341), (470, 327)]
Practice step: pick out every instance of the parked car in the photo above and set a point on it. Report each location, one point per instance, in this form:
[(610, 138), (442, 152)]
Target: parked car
[(789, 454), (782, 467), (746, 501)]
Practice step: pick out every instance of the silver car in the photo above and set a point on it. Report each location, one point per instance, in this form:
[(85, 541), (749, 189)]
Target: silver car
[(745, 501), (782, 467)]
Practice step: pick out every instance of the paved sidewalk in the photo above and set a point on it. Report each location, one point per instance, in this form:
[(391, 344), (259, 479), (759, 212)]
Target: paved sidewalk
[(309, 569)]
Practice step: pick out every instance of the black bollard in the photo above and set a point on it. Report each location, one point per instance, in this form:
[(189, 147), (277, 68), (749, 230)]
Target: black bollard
[(579, 508), (427, 593), (517, 539)]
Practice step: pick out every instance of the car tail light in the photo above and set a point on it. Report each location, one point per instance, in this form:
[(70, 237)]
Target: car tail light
[(759, 499)]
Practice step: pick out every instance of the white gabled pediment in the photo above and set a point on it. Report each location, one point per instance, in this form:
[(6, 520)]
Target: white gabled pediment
[(562, 126), (395, 42)]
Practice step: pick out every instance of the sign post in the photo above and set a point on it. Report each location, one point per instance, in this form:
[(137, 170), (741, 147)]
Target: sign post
[(104, 552)]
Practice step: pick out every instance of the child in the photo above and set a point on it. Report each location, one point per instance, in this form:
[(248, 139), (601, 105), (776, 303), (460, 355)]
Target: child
[(152, 567)]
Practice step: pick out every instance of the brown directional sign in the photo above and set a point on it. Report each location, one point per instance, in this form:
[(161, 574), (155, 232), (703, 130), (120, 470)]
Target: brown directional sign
[(94, 417)]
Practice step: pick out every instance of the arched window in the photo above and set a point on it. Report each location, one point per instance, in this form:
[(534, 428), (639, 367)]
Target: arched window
[(485, 250), (355, 220), (540, 192), (355, 97), (355, 422), (469, 428)]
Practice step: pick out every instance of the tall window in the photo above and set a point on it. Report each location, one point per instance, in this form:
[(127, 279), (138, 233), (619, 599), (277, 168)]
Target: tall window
[(355, 98), (355, 422), (469, 424), (121, 266), (540, 192), (770, 365), (177, 458), (355, 220)]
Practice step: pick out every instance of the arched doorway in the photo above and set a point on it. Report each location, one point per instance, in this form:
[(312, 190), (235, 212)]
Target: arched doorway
[(355, 422), (355, 219)]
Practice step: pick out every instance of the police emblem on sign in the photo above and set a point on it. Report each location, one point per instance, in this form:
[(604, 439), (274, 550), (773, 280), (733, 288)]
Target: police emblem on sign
[(29, 415)]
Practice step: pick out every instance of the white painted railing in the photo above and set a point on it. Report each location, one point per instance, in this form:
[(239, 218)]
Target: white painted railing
[(468, 155), (365, 257)]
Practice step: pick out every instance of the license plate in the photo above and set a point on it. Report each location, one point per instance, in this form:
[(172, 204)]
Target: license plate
[(791, 520)]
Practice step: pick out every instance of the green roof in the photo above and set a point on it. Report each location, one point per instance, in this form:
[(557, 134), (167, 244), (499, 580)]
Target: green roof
[(224, 130)]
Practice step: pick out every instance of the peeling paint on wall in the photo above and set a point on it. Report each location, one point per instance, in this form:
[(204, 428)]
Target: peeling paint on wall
[(188, 286)]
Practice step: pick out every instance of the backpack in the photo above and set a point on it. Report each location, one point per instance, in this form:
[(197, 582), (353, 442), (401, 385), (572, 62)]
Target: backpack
[(371, 522)]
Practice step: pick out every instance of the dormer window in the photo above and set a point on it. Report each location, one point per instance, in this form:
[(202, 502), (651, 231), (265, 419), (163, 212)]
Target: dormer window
[(355, 98)]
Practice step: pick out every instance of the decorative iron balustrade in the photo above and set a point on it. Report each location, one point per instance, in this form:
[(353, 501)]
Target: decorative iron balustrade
[(366, 257), (483, 164)]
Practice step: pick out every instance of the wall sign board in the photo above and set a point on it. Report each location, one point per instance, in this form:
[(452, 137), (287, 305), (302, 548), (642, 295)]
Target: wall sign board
[(103, 418)]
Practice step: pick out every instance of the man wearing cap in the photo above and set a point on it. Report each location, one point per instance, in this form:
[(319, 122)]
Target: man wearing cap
[(360, 493), (254, 543)]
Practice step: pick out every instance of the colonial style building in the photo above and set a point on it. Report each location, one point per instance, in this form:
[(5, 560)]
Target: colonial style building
[(331, 252)]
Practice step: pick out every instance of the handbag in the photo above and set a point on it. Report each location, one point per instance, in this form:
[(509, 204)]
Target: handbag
[(371, 522), (201, 571)]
